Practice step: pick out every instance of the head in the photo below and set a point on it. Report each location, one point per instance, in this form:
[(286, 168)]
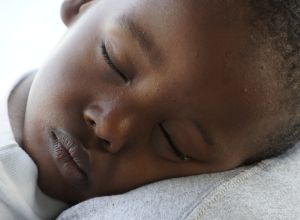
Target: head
[(140, 91)]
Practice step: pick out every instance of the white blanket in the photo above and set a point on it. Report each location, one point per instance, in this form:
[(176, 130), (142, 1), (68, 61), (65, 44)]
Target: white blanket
[(268, 190)]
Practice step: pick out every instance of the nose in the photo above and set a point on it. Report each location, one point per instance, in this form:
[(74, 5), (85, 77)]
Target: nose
[(114, 126)]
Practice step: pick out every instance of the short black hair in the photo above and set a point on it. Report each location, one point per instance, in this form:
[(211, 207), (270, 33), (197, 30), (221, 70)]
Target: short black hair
[(281, 18)]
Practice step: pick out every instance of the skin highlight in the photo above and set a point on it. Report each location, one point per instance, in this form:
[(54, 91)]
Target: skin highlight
[(203, 84)]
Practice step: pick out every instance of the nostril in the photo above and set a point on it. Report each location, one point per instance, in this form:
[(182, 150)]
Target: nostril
[(106, 145), (91, 123)]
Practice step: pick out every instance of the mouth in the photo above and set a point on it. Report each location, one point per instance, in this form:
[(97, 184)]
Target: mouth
[(69, 157)]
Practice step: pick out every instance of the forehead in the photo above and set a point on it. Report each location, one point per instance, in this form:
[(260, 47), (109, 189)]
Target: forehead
[(204, 43), (181, 27), (188, 32), (192, 36), (177, 18)]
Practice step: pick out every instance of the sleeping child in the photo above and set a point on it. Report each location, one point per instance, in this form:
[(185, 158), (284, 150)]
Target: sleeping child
[(143, 90)]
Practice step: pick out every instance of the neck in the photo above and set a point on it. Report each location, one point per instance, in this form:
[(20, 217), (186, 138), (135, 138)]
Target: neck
[(17, 102)]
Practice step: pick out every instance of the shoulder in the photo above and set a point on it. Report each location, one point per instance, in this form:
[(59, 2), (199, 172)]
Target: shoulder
[(269, 190)]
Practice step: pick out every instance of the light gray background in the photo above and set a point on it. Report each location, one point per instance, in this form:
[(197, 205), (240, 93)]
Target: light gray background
[(29, 30)]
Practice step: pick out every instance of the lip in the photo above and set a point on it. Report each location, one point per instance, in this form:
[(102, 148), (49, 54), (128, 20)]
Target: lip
[(69, 157)]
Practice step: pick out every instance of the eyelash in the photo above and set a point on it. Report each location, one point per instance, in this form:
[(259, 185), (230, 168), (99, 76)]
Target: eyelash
[(111, 64), (175, 149)]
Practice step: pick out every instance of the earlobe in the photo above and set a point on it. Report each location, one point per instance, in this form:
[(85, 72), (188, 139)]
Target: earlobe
[(70, 10)]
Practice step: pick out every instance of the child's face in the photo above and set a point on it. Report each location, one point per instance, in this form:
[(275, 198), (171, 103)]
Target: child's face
[(191, 68)]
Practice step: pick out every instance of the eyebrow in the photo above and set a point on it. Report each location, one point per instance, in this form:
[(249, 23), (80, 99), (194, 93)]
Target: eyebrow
[(145, 41)]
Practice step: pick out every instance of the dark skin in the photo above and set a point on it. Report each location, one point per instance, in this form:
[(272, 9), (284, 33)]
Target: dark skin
[(192, 100)]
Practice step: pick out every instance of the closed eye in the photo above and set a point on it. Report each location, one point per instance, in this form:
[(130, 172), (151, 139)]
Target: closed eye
[(111, 64), (178, 153)]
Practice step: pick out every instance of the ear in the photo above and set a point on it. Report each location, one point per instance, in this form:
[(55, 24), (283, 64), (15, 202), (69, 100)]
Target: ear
[(70, 10)]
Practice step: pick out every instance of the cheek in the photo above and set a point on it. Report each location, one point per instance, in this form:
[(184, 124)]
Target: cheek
[(56, 95), (65, 77), (229, 108)]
